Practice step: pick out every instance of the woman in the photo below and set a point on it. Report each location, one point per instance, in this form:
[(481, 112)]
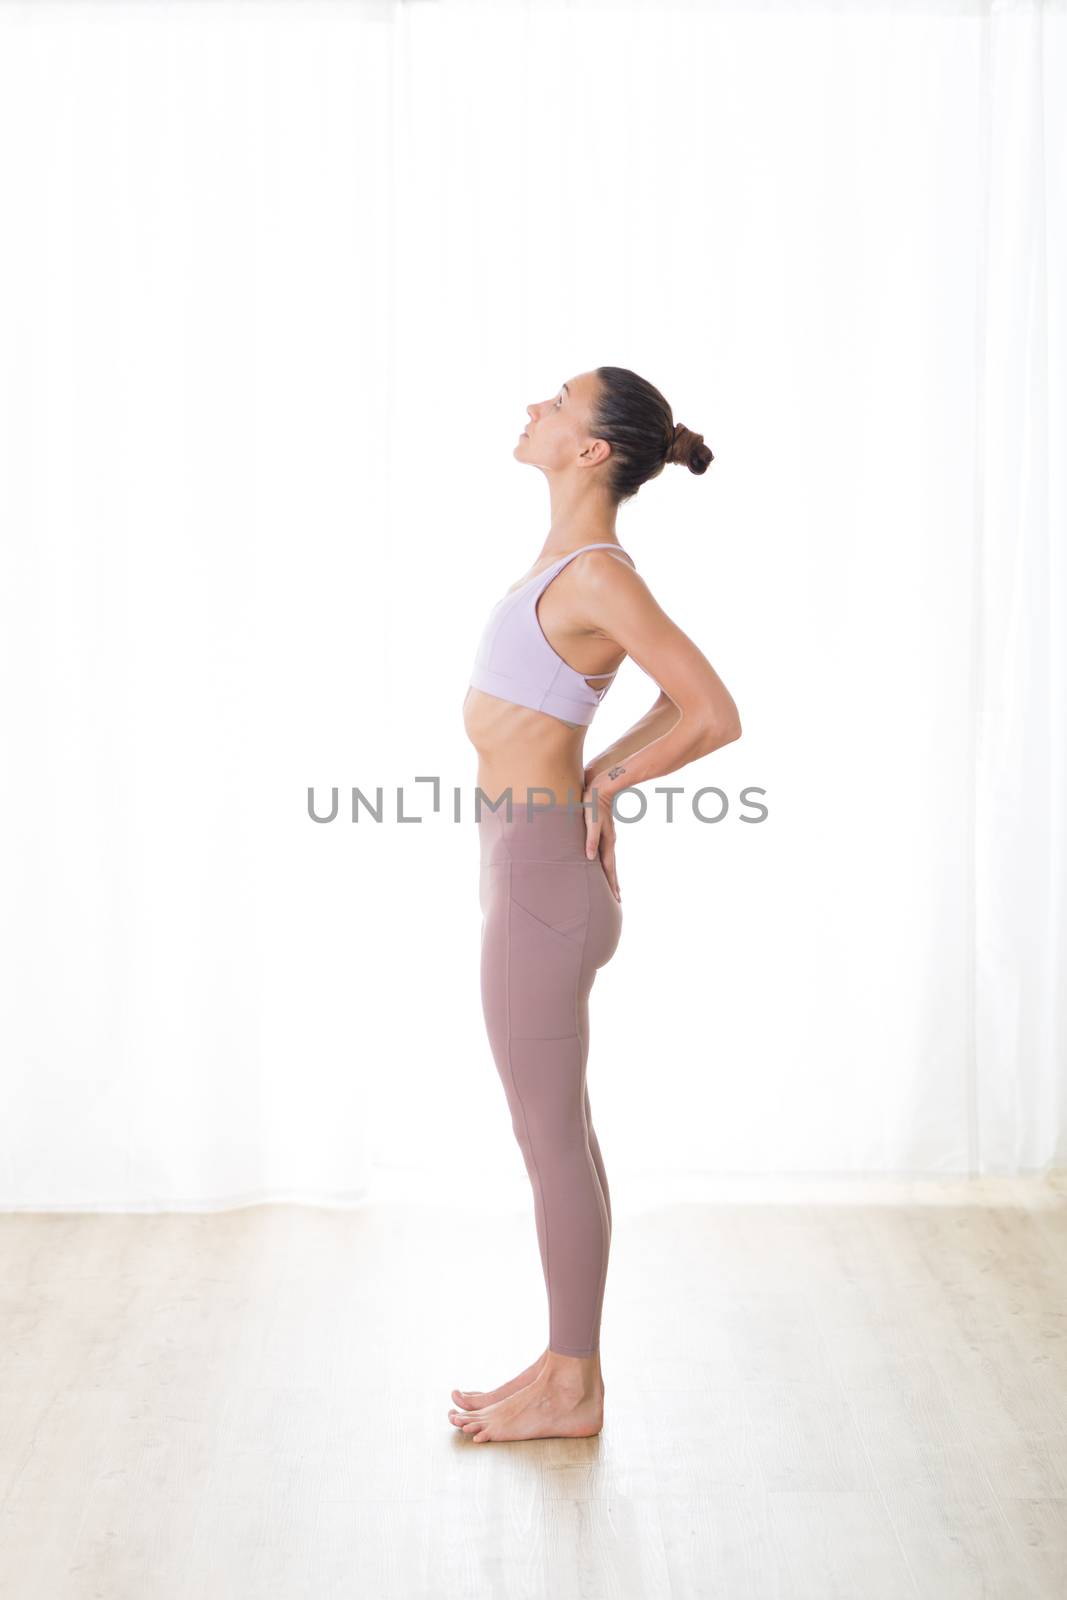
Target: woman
[(552, 912)]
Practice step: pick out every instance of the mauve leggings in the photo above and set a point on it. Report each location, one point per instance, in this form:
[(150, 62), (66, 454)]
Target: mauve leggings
[(549, 920)]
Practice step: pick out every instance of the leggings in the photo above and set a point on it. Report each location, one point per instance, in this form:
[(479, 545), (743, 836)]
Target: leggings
[(549, 920)]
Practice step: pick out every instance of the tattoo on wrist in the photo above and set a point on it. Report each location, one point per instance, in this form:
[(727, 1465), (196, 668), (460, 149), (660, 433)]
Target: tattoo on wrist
[(615, 772)]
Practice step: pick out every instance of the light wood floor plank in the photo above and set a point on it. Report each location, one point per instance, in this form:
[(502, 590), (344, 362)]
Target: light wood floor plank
[(803, 1399)]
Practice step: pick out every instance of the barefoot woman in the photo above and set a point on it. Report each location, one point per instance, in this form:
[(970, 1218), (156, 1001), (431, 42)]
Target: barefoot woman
[(549, 890)]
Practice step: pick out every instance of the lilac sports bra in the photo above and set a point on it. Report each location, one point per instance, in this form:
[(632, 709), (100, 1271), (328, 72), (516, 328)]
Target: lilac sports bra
[(515, 661)]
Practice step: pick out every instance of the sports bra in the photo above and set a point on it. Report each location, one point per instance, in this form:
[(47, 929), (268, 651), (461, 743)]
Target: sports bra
[(515, 661)]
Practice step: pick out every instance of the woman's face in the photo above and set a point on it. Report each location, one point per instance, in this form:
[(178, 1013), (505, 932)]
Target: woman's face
[(558, 429)]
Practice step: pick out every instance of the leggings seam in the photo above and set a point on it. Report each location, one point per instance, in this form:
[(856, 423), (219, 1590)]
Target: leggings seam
[(581, 960)]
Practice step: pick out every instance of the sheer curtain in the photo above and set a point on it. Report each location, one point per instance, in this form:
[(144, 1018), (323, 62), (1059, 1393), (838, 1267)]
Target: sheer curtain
[(280, 281)]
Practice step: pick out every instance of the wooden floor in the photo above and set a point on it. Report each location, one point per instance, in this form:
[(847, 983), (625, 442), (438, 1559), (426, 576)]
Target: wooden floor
[(865, 1400)]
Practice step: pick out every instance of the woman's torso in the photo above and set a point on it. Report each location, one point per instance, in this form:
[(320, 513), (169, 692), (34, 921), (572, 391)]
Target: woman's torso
[(519, 748)]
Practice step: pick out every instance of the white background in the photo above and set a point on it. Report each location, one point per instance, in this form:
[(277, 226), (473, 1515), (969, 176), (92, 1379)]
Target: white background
[(278, 282)]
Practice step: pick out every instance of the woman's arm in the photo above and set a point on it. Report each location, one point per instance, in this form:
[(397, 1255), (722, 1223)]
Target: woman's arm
[(695, 712), (685, 741), (657, 720)]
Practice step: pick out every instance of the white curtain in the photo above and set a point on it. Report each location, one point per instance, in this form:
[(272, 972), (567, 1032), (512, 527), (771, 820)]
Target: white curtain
[(278, 282)]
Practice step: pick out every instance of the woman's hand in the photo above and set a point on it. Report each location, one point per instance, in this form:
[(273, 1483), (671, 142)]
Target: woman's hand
[(600, 833)]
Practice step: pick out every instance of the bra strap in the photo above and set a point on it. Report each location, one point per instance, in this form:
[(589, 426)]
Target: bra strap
[(543, 579), (581, 548)]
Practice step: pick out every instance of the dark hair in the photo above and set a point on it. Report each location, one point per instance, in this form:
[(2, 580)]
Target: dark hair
[(635, 419)]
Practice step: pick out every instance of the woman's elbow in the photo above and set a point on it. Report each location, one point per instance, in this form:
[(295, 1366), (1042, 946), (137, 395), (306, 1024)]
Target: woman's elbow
[(719, 730)]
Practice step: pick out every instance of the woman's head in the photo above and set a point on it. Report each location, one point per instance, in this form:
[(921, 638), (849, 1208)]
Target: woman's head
[(636, 421), (614, 423)]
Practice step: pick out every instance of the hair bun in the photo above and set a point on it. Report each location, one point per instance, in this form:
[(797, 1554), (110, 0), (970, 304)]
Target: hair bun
[(689, 447)]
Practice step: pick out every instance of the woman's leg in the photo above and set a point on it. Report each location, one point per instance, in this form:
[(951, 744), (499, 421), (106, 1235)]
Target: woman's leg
[(549, 924), (598, 1160)]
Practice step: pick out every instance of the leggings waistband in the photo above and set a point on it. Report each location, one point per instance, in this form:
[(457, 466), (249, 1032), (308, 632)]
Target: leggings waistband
[(540, 833)]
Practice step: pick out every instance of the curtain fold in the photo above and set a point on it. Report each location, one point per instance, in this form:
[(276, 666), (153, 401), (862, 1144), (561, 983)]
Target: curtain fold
[(1020, 801)]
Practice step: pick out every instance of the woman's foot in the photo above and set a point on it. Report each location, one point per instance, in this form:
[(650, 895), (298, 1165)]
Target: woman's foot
[(564, 1401), (474, 1399)]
